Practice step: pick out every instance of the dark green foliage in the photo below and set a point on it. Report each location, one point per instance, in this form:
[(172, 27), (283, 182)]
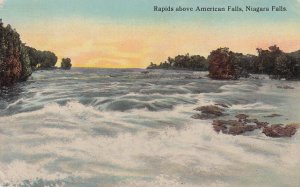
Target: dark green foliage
[(14, 58), (187, 62), (49, 59), (10, 65), (225, 64), (266, 59), (41, 59), (296, 63), (33, 57), (17, 60), (66, 63), (281, 67), (272, 61), (152, 66), (295, 54), (244, 64), (278, 64), (25, 61)]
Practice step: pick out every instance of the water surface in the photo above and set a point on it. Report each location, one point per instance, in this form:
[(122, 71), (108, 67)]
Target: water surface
[(121, 127)]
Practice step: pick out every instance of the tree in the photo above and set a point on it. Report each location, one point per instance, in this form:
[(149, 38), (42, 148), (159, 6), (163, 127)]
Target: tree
[(48, 59), (266, 59), (10, 65), (283, 67), (221, 64), (225, 64), (195, 62), (66, 63), (278, 64), (25, 62), (295, 56), (18, 60), (41, 59), (152, 66)]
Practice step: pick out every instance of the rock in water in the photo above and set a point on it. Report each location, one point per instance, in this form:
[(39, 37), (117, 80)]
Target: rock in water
[(272, 116), (222, 105), (204, 116), (241, 128), (279, 130), (285, 87), (232, 127), (211, 110), (260, 124), (244, 124), (242, 117)]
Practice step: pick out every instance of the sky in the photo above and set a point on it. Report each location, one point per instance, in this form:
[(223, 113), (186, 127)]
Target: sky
[(129, 34)]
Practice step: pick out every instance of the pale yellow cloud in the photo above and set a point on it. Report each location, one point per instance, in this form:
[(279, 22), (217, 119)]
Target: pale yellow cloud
[(104, 44)]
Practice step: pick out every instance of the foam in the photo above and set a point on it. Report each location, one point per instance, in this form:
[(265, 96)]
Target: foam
[(140, 147), (195, 148), (253, 106), (18, 171), (164, 181)]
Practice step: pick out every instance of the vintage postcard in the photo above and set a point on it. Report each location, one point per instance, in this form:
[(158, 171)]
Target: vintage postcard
[(149, 93)]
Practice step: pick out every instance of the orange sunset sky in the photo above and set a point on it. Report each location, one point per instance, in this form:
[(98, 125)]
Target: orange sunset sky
[(127, 37)]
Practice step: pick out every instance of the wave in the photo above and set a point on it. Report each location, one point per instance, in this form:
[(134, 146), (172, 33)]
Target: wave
[(124, 133), (253, 106), (190, 155), (165, 181)]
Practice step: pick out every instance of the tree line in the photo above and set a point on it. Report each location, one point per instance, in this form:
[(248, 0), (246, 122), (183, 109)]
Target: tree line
[(183, 62), (45, 59), (17, 61), (223, 63)]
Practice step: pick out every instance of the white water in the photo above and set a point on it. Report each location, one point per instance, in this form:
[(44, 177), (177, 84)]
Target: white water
[(131, 129)]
